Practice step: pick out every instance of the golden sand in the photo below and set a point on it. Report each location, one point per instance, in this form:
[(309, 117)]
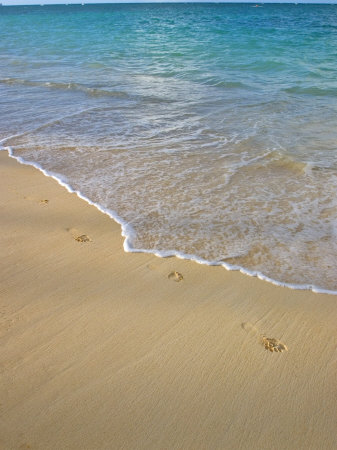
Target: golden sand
[(101, 350)]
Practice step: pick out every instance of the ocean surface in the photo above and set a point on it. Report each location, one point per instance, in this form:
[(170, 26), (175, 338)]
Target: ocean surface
[(209, 131)]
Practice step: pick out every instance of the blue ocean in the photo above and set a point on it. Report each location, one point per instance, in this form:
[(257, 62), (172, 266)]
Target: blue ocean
[(208, 131)]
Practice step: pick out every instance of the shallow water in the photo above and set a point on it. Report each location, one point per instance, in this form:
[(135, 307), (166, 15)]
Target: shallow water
[(209, 130)]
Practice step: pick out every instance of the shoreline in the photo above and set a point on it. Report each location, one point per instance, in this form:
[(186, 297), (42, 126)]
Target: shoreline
[(127, 231), (104, 349)]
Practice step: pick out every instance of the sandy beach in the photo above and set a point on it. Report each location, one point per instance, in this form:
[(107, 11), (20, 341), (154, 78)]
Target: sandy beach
[(102, 349)]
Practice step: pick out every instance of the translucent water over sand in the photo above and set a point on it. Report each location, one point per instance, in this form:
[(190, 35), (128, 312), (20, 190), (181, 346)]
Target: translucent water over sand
[(209, 130)]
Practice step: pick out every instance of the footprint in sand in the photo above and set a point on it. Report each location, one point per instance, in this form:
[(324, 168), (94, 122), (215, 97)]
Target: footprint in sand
[(82, 238), (42, 202), (175, 276), (77, 236), (271, 344)]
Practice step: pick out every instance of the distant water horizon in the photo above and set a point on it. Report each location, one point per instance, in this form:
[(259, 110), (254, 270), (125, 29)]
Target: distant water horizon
[(208, 131), (93, 2)]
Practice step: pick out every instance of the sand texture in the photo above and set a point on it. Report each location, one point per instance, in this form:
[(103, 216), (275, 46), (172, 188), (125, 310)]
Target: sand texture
[(102, 349)]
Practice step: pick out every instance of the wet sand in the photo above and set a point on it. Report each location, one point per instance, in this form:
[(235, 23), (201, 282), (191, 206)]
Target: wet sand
[(102, 349)]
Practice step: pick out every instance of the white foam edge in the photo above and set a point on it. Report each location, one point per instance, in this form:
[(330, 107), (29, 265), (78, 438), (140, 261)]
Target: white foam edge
[(127, 232)]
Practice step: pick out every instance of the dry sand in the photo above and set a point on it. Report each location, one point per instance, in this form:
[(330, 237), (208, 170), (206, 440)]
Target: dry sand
[(101, 349)]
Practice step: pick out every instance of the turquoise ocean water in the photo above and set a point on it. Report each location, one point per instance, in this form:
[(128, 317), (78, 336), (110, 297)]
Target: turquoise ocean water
[(207, 130)]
